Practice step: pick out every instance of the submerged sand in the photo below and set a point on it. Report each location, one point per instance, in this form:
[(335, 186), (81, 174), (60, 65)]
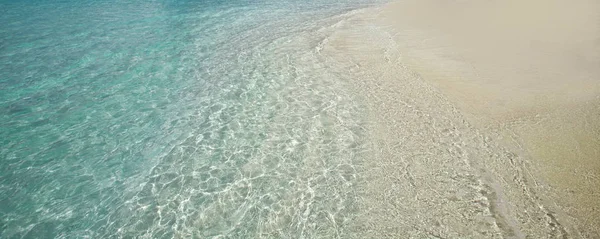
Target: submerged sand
[(484, 117)]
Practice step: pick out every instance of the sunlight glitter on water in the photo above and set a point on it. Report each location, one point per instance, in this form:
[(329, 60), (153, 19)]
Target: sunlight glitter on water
[(162, 119)]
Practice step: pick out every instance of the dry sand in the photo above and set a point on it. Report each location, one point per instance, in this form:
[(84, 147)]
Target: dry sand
[(485, 116), (529, 70)]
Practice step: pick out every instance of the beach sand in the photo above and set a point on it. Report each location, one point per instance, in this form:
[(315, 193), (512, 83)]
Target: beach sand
[(485, 116), (528, 70)]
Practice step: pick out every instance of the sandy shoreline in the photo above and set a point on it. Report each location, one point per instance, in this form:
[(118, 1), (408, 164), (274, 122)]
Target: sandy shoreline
[(529, 71), (485, 116)]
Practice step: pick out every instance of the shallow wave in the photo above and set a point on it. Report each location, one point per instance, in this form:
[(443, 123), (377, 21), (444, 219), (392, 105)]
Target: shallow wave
[(429, 172)]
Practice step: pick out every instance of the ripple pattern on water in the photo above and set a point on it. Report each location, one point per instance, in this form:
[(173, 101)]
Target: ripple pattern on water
[(170, 119)]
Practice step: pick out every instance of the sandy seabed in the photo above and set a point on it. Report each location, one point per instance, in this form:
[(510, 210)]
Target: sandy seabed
[(484, 117)]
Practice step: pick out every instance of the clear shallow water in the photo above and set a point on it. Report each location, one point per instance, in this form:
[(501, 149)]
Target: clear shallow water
[(168, 119)]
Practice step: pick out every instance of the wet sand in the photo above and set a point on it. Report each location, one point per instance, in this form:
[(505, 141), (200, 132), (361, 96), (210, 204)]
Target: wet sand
[(528, 71), (484, 117)]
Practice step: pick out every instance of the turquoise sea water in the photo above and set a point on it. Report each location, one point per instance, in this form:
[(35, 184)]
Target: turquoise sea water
[(174, 118)]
